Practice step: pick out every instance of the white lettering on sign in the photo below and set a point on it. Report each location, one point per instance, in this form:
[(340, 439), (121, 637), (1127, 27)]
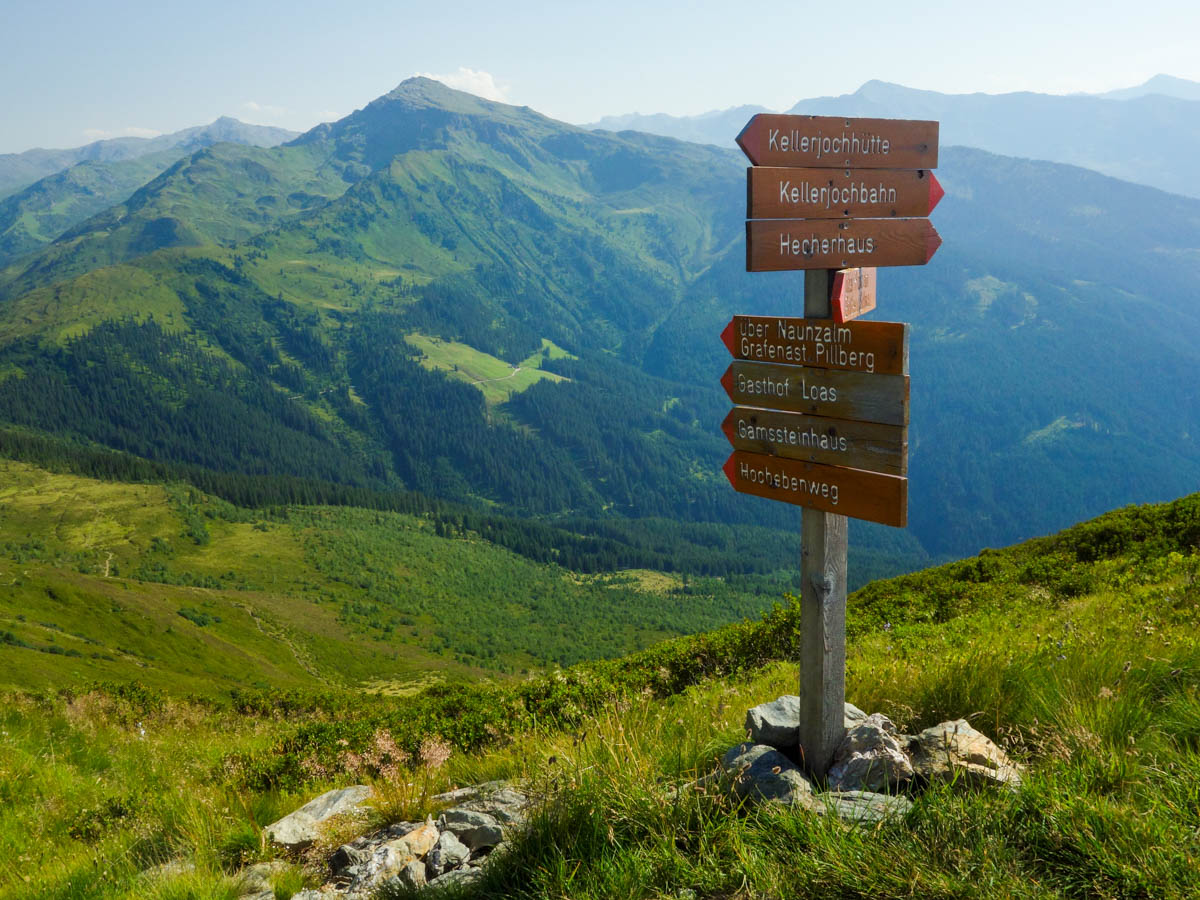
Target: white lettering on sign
[(765, 475), (802, 343), (765, 386), (847, 143), (830, 195), (810, 246), (809, 438)]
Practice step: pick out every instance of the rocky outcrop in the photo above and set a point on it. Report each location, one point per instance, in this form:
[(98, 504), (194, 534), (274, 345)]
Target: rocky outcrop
[(872, 769), (453, 850), (301, 828), (954, 752)]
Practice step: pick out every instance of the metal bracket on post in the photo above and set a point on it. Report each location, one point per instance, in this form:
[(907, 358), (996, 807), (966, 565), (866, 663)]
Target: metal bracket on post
[(823, 547)]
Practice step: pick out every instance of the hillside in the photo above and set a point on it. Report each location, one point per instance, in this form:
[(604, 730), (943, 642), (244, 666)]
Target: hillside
[(443, 294), (107, 581), (18, 170), (1078, 651)]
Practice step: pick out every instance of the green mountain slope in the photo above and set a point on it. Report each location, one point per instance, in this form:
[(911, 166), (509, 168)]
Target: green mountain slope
[(18, 170), (1077, 653), (34, 216), (194, 324), (103, 580)]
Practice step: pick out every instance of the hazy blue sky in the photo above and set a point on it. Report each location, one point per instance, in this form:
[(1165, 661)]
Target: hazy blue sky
[(74, 72)]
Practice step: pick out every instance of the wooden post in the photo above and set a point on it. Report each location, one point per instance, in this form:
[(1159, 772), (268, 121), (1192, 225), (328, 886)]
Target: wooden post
[(823, 545)]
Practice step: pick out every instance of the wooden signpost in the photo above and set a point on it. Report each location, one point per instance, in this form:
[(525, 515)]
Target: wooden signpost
[(781, 193), (774, 245), (853, 294), (836, 442), (859, 347), (858, 396), (821, 419), (832, 142)]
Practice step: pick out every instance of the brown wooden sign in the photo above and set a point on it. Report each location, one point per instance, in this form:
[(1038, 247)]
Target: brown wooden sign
[(774, 245), (822, 343), (834, 442), (776, 193), (848, 492), (858, 396), (834, 142), (853, 293)]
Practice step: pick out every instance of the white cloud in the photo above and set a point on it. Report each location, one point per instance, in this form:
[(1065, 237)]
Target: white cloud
[(100, 134), (263, 110), (473, 81)]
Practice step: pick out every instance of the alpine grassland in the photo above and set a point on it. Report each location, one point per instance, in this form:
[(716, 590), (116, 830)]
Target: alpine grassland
[(1079, 653)]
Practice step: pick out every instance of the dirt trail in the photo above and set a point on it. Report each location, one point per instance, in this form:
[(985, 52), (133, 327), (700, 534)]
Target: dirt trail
[(512, 374), (279, 634)]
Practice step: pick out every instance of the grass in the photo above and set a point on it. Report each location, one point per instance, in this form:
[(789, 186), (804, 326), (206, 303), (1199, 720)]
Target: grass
[(496, 379), (1096, 692), (94, 575)]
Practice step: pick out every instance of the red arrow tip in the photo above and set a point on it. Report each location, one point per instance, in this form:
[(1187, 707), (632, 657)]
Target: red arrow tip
[(935, 191), (727, 337), (933, 240), (745, 139), (728, 427), (730, 470), (727, 381)]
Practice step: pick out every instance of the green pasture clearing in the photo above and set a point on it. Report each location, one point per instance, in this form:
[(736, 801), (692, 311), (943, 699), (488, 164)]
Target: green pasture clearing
[(495, 378)]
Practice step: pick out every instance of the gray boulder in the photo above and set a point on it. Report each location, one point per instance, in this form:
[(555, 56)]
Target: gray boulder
[(413, 875), (301, 828), (777, 723), (448, 853), (870, 758), (758, 772), (954, 752), (852, 715), (864, 807), (475, 829), (504, 805), (456, 877)]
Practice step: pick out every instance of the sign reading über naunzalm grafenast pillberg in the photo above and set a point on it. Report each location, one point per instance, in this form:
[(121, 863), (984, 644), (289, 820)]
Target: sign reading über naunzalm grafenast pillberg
[(880, 347)]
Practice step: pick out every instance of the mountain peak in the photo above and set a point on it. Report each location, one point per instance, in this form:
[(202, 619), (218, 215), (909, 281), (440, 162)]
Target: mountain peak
[(420, 91), (1165, 85)]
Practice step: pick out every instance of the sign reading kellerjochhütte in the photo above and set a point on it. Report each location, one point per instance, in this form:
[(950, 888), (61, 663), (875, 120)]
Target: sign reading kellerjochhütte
[(834, 142)]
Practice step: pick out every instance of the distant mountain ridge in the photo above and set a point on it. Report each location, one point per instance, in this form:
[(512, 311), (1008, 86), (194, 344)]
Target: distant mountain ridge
[(17, 170), (1166, 85), (700, 129), (1151, 137)]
